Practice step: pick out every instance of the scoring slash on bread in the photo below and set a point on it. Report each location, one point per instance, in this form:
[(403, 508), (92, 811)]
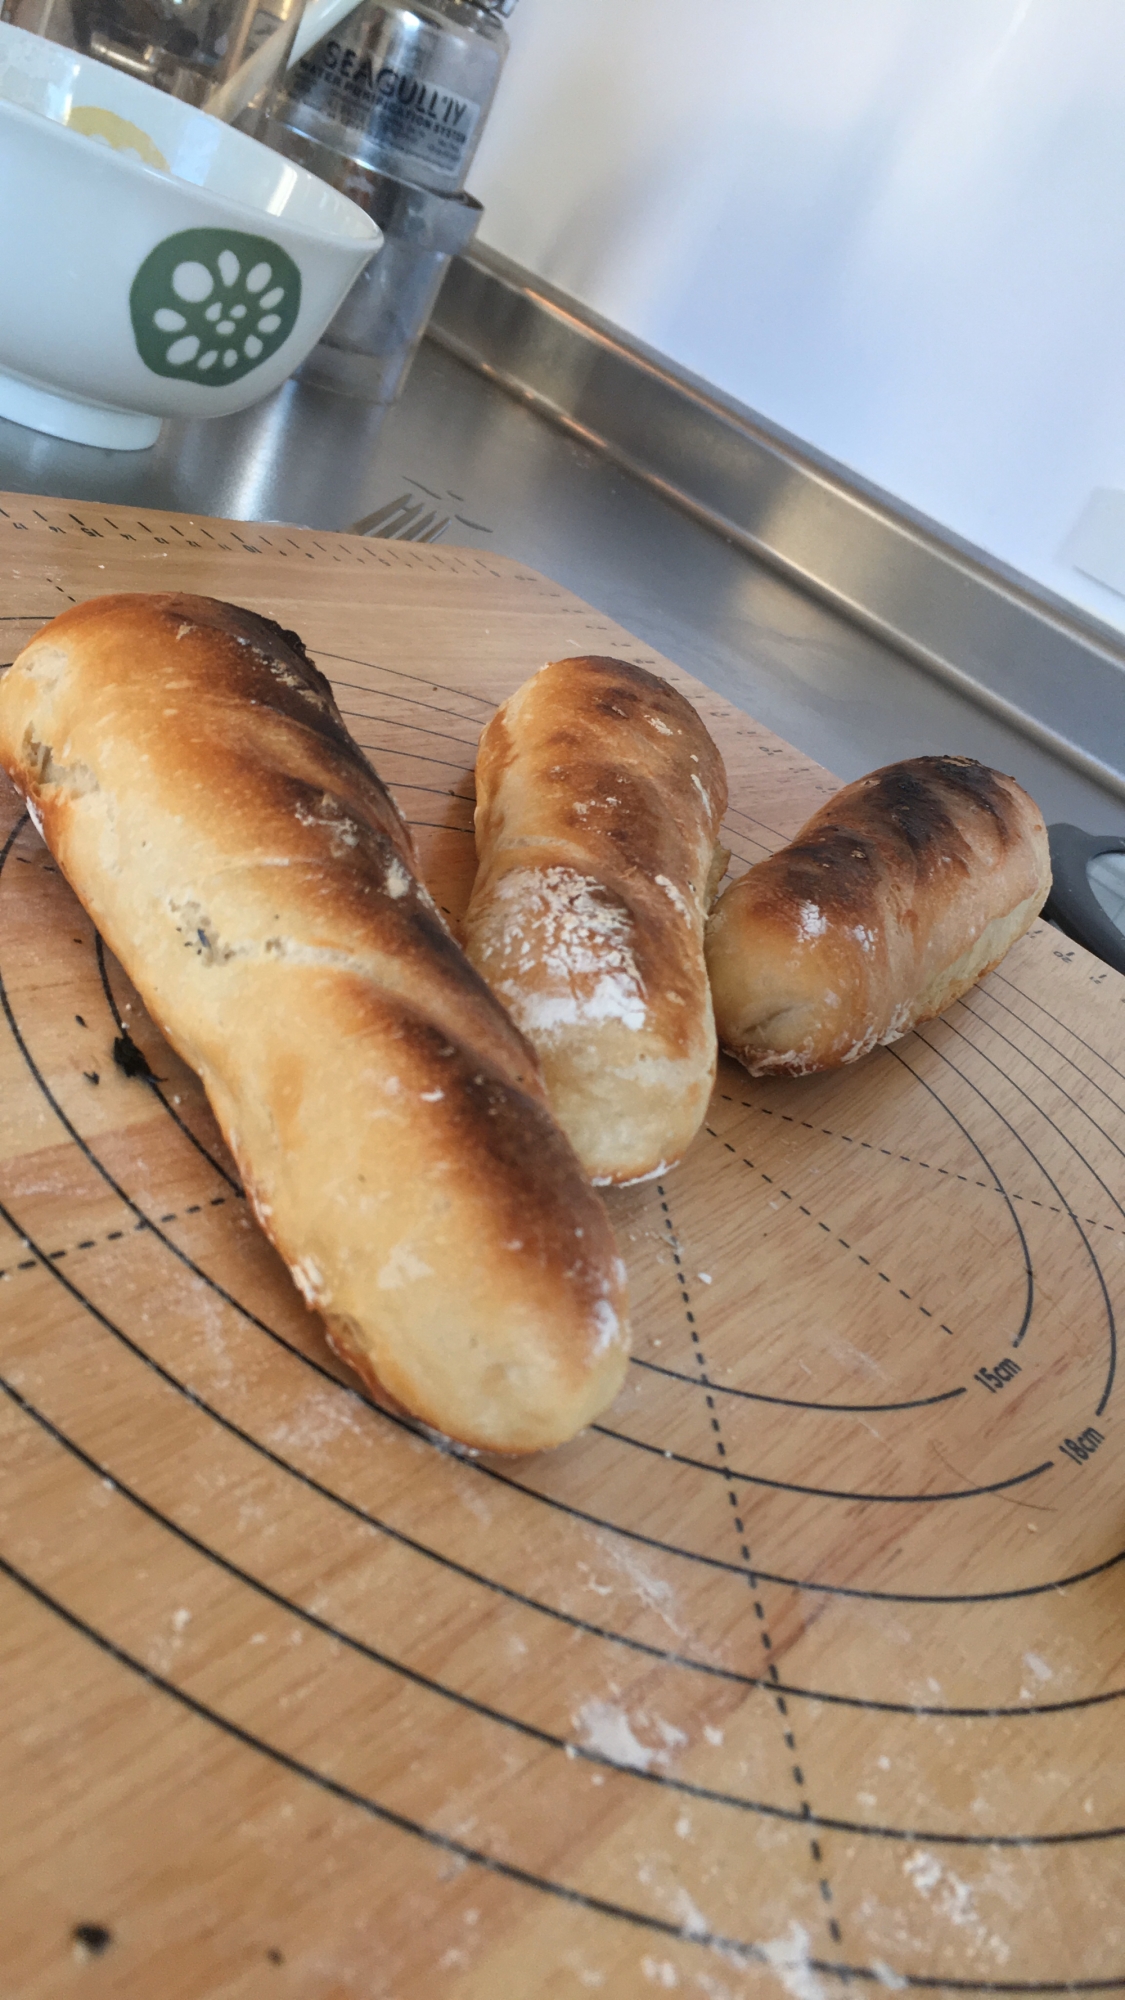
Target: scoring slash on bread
[(191, 773), (599, 798), (896, 896)]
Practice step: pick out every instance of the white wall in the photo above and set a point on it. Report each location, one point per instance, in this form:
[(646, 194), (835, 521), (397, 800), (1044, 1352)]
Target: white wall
[(896, 227)]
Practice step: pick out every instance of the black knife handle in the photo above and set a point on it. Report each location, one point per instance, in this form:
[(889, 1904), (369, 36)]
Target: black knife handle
[(1072, 904)]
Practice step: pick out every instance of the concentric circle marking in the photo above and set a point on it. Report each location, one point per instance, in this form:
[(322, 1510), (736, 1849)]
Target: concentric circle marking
[(527, 1496)]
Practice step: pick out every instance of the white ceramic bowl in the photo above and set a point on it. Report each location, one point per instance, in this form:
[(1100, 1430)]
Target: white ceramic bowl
[(155, 263)]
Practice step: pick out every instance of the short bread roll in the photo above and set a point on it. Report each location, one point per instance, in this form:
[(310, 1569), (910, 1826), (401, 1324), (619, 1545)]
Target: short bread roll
[(894, 898), (195, 782), (599, 797)]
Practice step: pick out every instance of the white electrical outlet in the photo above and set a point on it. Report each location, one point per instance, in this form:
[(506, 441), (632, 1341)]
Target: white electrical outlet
[(1096, 545)]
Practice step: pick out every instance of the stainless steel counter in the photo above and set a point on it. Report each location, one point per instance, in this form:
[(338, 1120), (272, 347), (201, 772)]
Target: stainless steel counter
[(510, 479)]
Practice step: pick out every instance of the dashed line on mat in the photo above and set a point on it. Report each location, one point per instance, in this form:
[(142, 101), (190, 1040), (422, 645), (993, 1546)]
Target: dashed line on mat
[(910, 1160), (828, 1231), (110, 1236), (796, 1769)]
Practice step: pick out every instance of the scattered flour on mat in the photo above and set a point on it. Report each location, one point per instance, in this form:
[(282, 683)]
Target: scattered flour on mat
[(670, 1736), (607, 1731), (955, 1900), (789, 1957), (688, 1915), (315, 1422), (655, 1592)]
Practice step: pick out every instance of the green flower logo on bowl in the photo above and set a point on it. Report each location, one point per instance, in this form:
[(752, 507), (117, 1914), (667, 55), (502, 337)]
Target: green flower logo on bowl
[(208, 305)]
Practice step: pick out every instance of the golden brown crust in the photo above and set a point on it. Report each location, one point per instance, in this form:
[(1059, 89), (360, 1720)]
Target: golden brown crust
[(599, 798), (194, 779), (892, 900)]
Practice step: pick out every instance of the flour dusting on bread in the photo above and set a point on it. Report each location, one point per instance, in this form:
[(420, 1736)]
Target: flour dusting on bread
[(564, 925), (599, 796)]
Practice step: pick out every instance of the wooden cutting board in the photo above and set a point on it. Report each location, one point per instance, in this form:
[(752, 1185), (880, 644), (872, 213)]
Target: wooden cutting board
[(804, 1667)]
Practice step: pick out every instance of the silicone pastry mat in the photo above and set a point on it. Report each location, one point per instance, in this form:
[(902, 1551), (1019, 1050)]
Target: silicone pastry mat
[(803, 1667)]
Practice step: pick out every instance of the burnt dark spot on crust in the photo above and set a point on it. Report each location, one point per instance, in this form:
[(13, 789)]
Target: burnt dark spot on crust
[(620, 691), (345, 812), (973, 781), (296, 645), (463, 1012), (573, 726), (308, 775), (517, 1146), (911, 805), (905, 821), (426, 935), (835, 868), (627, 679), (276, 649), (923, 798), (624, 816), (925, 802), (488, 1114)]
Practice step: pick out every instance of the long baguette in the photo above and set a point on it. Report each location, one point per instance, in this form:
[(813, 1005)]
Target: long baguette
[(599, 797), (901, 892), (191, 773)]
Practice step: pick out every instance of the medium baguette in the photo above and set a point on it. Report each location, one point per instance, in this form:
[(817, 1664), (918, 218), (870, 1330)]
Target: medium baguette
[(191, 774), (896, 896), (599, 798)]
